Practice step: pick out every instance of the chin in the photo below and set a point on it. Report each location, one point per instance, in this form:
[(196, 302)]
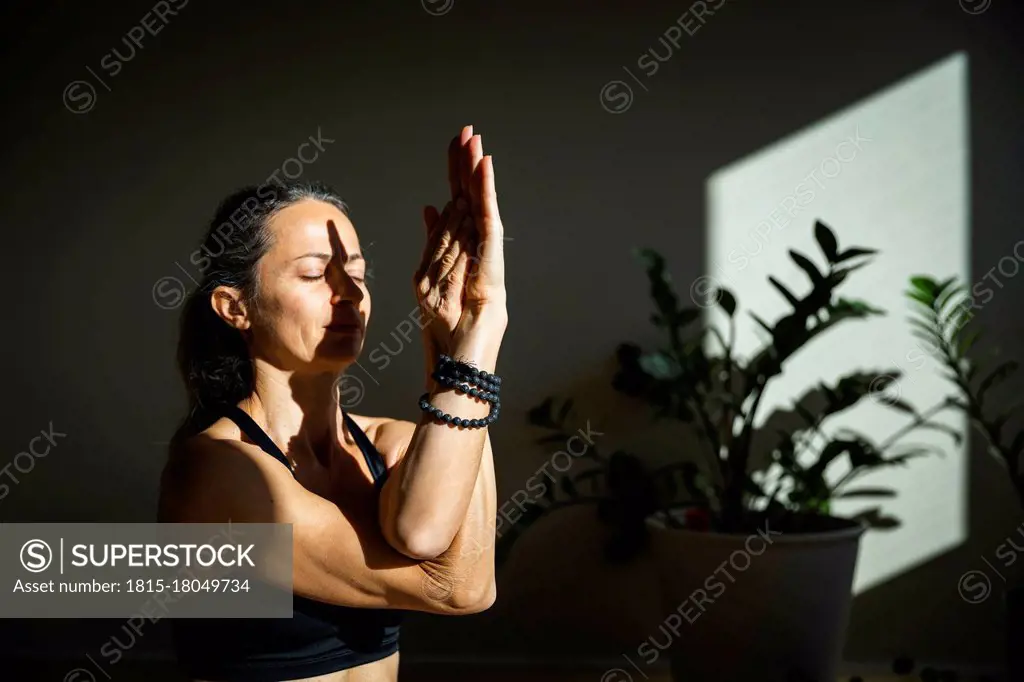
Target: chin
[(343, 350)]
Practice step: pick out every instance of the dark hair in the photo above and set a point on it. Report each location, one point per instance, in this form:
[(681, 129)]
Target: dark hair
[(213, 358)]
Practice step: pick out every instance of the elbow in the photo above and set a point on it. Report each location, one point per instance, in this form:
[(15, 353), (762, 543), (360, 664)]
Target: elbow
[(419, 544), (412, 537), (467, 601)]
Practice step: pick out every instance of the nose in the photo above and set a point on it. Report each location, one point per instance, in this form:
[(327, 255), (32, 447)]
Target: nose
[(343, 286)]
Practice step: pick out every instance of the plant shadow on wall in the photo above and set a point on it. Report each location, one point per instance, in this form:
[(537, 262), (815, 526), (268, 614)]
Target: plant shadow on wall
[(758, 500), (698, 378)]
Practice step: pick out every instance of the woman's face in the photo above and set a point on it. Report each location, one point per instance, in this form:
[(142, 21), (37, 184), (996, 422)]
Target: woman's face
[(314, 305)]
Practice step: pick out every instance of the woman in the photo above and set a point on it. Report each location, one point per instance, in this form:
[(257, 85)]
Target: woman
[(388, 515)]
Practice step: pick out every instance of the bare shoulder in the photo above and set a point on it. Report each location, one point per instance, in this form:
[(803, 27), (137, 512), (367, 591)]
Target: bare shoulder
[(205, 472), (390, 436)]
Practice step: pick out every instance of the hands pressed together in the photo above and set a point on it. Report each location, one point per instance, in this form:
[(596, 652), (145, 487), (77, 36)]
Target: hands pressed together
[(460, 283)]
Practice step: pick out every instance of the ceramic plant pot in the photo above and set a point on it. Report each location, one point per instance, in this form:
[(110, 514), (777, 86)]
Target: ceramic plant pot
[(765, 605)]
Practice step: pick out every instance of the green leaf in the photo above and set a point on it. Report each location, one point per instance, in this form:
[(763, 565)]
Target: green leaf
[(926, 285), (941, 287), (832, 450), (928, 329), (827, 241), (957, 321), (807, 266), (967, 342), (933, 343), (659, 365), (949, 294), (868, 492), (921, 297), (727, 301), (786, 293)]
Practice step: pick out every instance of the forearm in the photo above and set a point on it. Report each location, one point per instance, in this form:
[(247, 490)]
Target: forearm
[(427, 495), (464, 573)]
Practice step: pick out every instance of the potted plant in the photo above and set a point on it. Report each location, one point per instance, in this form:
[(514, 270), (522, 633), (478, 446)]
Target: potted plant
[(766, 514), (945, 323)]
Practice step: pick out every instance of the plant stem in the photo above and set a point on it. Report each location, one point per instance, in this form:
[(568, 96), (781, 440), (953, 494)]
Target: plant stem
[(739, 454), (918, 420), (715, 465)]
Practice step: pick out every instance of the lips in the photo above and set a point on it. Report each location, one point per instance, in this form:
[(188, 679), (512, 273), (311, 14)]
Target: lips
[(345, 328), (346, 323)]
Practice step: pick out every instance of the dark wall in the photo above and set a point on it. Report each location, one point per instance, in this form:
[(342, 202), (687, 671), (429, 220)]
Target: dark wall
[(105, 199)]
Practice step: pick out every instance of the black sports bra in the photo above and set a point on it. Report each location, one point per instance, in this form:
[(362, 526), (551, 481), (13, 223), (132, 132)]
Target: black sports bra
[(318, 639)]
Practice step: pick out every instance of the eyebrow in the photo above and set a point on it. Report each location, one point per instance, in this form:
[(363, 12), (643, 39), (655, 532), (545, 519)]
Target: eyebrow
[(327, 257)]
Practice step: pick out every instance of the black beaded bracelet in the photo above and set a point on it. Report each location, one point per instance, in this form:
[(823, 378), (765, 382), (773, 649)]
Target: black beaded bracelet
[(466, 388), (441, 415), (468, 380), (449, 366)]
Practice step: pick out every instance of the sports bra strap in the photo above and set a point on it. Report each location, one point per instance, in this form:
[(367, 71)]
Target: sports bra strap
[(370, 453), (373, 457), (258, 435)]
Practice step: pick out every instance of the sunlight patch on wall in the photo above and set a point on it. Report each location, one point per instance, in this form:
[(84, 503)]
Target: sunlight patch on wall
[(889, 173)]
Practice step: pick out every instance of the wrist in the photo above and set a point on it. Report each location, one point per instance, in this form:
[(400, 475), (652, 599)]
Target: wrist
[(478, 349), (483, 324)]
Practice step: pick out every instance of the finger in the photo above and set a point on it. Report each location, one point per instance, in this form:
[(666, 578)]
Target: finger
[(432, 221), (453, 283), (454, 183), (456, 246), (473, 248), (430, 216), (446, 235), (465, 173), (488, 219), (489, 229), (434, 232), (474, 153)]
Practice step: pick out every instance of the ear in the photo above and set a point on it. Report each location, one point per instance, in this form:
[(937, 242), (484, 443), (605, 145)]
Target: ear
[(227, 303)]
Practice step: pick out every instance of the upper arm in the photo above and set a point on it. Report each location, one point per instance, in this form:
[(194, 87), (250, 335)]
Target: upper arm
[(338, 557), (392, 439)]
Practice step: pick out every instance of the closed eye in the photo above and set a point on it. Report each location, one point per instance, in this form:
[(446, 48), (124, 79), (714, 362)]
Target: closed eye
[(314, 278)]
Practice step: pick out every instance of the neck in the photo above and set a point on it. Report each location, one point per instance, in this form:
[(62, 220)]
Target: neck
[(300, 412)]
